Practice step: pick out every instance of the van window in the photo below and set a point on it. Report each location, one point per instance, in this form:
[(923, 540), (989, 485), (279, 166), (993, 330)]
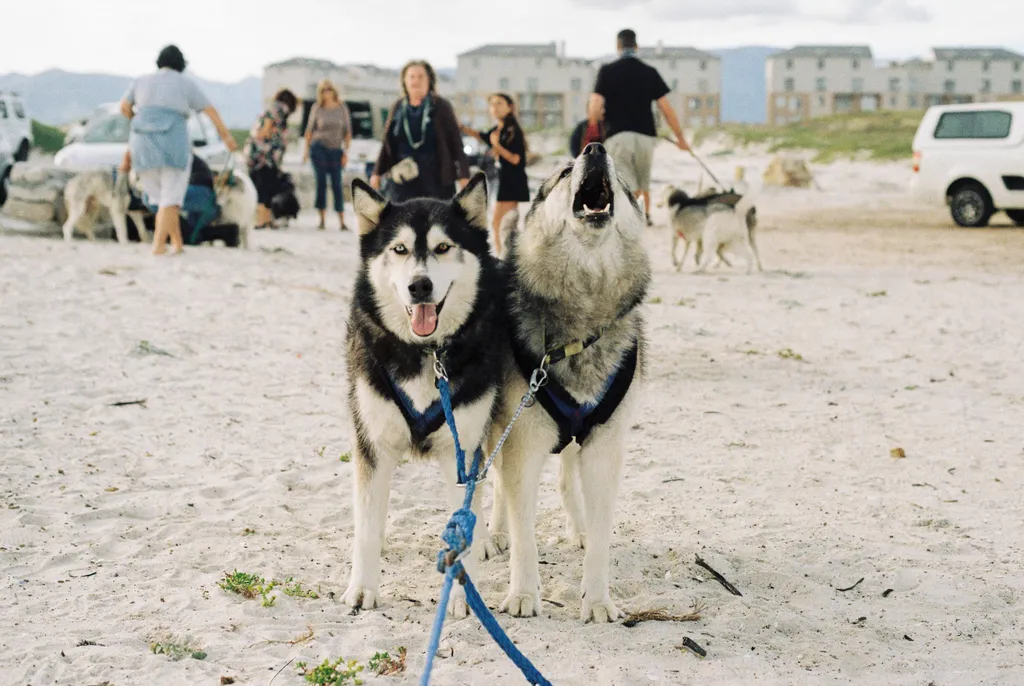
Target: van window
[(979, 124), (19, 111)]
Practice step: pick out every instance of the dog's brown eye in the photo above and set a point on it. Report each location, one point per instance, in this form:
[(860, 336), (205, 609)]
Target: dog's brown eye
[(400, 250), (442, 248)]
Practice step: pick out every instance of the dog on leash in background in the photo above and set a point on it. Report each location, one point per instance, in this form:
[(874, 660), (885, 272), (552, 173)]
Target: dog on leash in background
[(688, 216), (88, 192)]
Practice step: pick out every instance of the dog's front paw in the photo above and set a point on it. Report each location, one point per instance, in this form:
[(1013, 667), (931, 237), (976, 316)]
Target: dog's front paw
[(487, 550), (600, 612), (499, 540), (521, 604), (361, 597), (457, 607), (575, 537)]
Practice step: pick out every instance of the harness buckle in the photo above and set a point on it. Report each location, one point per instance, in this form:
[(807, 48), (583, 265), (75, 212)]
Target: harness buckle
[(538, 378)]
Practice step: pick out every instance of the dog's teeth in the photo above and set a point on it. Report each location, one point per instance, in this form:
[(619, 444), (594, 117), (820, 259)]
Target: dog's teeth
[(586, 209)]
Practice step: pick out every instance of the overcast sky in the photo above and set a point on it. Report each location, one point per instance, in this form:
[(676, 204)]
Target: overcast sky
[(229, 39)]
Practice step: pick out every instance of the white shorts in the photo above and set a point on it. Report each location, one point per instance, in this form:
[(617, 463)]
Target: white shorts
[(633, 155), (166, 186)]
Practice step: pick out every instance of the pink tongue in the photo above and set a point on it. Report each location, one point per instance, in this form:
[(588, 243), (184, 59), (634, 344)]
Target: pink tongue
[(424, 319)]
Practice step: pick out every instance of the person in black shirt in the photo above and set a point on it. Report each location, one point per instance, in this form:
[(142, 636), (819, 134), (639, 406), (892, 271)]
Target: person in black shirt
[(508, 144), (625, 89)]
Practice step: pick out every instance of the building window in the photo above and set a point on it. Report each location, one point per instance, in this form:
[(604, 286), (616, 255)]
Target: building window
[(1016, 66), (949, 86), (986, 85), (820, 84), (576, 85), (694, 104), (503, 83), (1015, 87), (985, 65), (858, 85), (531, 84), (894, 85), (856, 63), (789, 64), (892, 101), (821, 63), (821, 100), (702, 86), (949, 65), (912, 101), (789, 86), (703, 65), (710, 103)]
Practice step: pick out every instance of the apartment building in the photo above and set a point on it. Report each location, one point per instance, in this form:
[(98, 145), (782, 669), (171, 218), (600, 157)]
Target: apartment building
[(551, 90), (812, 81)]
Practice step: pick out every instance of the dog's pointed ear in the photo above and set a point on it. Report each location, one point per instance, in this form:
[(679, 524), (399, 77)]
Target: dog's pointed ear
[(369, 204), (473, 201)]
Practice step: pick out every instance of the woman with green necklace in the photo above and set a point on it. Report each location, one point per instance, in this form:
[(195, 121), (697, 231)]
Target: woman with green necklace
[(422, 150)]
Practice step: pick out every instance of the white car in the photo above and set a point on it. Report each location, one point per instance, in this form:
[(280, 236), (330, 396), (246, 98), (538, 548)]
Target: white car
[(971, 158), (15, 126), (104, 139)]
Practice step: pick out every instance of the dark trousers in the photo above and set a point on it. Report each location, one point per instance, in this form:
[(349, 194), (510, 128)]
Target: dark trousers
[(327, 165)]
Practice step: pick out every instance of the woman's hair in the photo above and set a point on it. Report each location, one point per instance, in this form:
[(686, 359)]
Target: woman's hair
[(431, 76), (171, 58), (288, 98), (511, 119), (322, 88)]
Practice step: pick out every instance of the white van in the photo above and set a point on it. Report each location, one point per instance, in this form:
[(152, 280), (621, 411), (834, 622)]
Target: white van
[(971, 158), (15, 125)]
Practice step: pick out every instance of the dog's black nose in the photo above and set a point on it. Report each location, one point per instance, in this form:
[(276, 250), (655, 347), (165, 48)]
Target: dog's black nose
[(421, 289), (594, 149)]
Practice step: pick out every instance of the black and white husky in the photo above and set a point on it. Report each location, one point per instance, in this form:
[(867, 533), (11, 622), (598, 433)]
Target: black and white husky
[(578, 273), (427, 285)]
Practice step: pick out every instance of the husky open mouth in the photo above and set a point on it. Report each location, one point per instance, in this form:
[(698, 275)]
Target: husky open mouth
[(423, 317), (594, 201)]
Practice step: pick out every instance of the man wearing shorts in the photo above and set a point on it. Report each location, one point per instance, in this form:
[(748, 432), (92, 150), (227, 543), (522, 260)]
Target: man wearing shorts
[(625, 89)]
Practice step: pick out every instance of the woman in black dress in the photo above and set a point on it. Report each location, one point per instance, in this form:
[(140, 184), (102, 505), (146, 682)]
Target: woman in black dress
[(508, 144)]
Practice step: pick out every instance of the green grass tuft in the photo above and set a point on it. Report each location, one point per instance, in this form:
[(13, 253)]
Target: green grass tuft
[(337, 673)]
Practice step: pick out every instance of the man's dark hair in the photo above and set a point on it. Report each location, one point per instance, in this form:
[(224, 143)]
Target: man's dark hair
[(171, 58), (627, 39), (288, 98)]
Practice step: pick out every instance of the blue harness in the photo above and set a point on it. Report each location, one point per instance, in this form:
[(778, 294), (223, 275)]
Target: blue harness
[(575, 421), (421, 424)]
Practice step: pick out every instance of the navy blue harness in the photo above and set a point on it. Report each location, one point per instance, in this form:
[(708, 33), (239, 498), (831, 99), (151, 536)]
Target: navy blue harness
[(576, 421), (421, 424)]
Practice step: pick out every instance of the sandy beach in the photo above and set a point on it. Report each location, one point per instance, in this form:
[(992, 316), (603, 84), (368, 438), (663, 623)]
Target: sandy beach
[(765, 444)]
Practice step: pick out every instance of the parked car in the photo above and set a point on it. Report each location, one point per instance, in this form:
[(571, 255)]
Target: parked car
[(971, 158), (6, 163), (104, 140), (15, 124)]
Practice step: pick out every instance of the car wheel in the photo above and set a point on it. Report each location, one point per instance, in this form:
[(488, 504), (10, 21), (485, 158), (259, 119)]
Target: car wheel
[(1016, 216), (970, 205), (4, 180), (22, 153)]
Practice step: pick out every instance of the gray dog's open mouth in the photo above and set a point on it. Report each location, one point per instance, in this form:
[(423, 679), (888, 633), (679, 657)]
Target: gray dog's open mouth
[(594, 201)]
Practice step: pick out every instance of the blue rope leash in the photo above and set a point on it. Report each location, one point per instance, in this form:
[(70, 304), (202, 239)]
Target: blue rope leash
[(458, 537)]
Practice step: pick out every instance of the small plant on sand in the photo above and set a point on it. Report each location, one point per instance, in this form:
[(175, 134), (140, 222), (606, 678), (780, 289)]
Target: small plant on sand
[(788, 354), (294, 589), (337, 673), (249, 586), (382, 664), (346, 457), (176, 649)]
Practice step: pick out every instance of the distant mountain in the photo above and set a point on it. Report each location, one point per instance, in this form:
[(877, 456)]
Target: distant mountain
[(58, 97), (743, 88)]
